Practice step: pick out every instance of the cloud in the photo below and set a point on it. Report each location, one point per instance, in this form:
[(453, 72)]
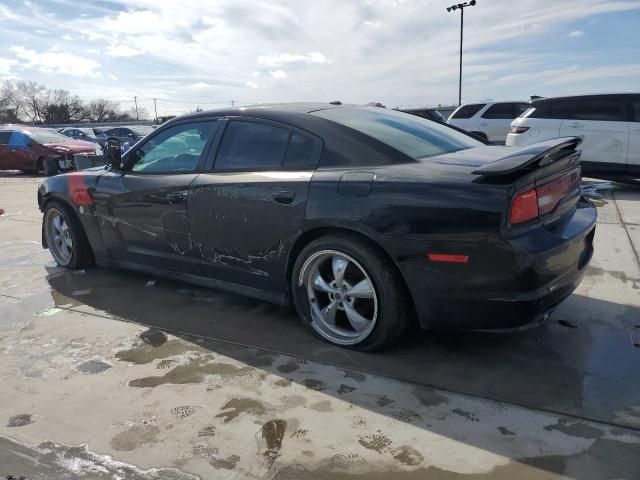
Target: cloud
[(575, 33), (58, 62), (278, 74), (67, 37), (250, 84), (280, 59), (372, 23), (123, 51), (199, 86)]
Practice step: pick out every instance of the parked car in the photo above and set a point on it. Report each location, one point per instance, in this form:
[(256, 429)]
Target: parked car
[(608, 124), (129, 135), (491, 120), (33, 149), (366, 219), (85, 133), (428, 113)]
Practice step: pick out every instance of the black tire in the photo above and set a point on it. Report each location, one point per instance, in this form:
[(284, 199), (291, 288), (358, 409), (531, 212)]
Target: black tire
[(50, 166), (81, 252), (393, 305)]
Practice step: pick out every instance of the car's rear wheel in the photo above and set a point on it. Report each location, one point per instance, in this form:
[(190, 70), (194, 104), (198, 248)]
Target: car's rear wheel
[(65, 237), (348, 294)]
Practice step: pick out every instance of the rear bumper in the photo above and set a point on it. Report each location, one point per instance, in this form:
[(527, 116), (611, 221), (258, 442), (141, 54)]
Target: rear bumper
[(507, 283)]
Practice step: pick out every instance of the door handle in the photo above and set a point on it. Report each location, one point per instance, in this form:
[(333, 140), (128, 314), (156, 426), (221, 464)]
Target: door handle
[(484, 124), (575, 125), (284, 196), (176, 198)]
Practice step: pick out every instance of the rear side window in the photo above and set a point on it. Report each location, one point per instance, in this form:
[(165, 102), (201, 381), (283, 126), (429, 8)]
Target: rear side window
[(250, 145), (505, 110), (4, 138), (601, 109), (559, 109), (468, 111), (635, 109)]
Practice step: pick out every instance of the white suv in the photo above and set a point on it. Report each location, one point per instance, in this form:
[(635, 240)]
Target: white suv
[(489, 120), (609, 125)]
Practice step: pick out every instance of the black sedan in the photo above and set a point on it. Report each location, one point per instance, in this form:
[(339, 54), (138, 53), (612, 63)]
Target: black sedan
[(128, 135), (366, 219)]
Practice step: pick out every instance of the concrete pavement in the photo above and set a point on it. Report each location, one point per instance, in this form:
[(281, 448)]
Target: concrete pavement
[(112, 374)]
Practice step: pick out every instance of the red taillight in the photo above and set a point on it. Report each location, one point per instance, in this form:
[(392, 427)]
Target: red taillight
[(519, 129), (78, 190), (543, 199), (524, 207), (550, 194)]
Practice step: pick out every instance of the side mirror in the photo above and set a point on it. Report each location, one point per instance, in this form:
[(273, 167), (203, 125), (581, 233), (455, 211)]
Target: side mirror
[(112, 155)]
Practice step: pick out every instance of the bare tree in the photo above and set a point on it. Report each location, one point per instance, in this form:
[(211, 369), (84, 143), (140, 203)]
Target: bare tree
[(32, 97), (10, 103)]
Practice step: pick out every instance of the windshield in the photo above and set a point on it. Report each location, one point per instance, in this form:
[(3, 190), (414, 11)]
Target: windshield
[(42, 135), (412, 135)]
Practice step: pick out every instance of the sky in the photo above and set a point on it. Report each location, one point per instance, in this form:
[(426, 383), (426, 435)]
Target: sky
[(206, 53)]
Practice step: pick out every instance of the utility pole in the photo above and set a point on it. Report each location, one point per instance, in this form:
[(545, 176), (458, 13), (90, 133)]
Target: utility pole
[(232, 103), (461, 7), (155, 109), (135, 100)]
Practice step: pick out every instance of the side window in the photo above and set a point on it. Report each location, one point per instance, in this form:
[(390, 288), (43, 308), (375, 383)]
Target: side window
[(468, 111), (520, 108), (19, 140), (176, 149), (601, 109), (562, 109), (635, 109), (4, 138), (499, 111), (303, 152), (251, 146)]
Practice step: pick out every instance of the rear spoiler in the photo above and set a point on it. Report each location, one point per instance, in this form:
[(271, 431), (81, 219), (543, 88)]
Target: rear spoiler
[(541, 153)]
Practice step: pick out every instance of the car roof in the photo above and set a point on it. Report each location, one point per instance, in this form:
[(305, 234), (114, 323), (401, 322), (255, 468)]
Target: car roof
[(265, 110)]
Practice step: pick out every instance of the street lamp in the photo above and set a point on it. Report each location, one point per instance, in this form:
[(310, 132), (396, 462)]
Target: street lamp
[(453, 8)]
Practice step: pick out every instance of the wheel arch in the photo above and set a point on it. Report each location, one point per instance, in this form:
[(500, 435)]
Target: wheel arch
[(312, 234)]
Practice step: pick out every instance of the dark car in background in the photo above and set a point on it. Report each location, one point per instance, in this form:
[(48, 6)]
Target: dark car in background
[(365, 219), (80, 133), (33, 149), (129, 135)]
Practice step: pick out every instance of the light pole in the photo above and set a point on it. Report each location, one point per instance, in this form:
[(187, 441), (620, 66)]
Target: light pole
[(453, 8)]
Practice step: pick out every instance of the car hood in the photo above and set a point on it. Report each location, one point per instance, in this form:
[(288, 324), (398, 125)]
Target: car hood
[(72, 146)]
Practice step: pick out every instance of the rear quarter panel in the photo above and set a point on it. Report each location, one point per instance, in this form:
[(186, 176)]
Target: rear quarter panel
[(539, 129)]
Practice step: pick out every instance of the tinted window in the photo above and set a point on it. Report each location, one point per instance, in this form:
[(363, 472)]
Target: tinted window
[(635, 109), (250, 146), (4, 138), (411, 135), (601, 109), (468, 111), (500, 110), (176, 149), (520, 108), (560, 109), (302, 152)]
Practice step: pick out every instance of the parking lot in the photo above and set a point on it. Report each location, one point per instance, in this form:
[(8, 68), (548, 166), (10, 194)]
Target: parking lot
[(113, 374)]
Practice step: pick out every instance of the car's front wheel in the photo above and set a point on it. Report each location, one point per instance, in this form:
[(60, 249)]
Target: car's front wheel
[(349, 295), (65, 237)]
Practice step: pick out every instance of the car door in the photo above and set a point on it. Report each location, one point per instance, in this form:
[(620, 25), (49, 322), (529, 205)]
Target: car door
[(6, 156), (247, 210), (495, 122), (603, 123), (14, 152), (633, 152), (143, 210)]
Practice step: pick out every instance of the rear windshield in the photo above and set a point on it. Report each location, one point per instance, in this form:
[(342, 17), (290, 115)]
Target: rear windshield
[(468, 111), (414, 136)]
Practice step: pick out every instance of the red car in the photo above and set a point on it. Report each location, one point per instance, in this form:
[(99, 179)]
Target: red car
[(32, 149)]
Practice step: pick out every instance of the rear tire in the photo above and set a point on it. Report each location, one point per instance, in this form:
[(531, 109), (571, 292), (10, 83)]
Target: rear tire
[(65, 236), (331, 268)]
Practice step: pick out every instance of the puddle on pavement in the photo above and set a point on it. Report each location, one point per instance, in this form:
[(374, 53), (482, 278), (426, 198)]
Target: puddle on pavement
[(135, 437), (20, 420), (92, 367), (272, 433), (147, 353), (238, 406)]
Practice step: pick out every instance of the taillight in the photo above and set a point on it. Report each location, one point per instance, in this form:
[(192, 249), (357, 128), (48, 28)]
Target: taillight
[(542, 199), (550, 194), (518, 129), (524, 207)]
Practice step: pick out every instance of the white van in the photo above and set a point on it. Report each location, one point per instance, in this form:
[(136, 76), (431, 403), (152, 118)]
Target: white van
[(608, 123), (488, 120)]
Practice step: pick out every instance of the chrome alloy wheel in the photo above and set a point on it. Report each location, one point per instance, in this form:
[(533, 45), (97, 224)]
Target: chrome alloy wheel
[(58, 237), (342, 297)]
